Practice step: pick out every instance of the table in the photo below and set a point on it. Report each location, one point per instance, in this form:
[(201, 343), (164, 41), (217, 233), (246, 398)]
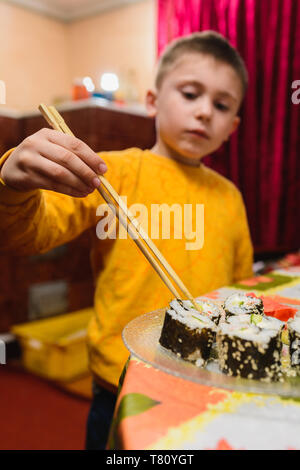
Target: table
[(156, 410)]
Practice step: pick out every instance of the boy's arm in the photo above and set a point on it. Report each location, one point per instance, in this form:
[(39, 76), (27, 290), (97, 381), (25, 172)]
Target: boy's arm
[(37, 221), (3, 160), (33, 220), (243, 245)]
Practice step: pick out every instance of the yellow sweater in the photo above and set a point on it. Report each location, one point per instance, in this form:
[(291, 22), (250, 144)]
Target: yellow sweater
[(126, 285)]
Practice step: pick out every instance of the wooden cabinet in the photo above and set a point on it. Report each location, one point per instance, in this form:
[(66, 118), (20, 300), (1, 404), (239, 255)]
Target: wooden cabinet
[(101, 128)]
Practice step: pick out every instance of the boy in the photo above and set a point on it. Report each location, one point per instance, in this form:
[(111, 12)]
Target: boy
[(200, 83)]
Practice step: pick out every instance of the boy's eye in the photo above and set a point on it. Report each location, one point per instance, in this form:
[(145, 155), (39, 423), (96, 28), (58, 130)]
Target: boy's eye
[(221, 106), (189, 95)]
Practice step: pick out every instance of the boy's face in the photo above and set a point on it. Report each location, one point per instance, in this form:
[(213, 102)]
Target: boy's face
[(195, 107)]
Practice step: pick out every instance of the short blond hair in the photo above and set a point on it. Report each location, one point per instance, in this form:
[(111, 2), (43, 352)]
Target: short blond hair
[(208, 43)]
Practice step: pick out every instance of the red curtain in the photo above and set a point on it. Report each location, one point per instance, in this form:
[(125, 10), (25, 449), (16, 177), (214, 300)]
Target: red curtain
[(262, 157)]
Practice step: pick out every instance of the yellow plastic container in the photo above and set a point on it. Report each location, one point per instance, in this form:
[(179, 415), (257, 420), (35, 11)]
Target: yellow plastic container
[(55, 348)]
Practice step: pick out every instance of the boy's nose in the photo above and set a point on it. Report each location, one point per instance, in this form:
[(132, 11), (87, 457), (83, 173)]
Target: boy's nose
[(204, 108)]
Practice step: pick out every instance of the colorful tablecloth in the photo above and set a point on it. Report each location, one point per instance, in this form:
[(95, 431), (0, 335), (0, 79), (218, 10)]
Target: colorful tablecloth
[(156, 410)]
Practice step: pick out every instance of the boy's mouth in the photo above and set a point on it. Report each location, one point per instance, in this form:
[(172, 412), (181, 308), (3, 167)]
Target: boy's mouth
[(199, 133)]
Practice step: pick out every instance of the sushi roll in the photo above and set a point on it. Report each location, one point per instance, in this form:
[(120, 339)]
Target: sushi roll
[(188, 333), (248, 351), (238, 304), (293, 327)]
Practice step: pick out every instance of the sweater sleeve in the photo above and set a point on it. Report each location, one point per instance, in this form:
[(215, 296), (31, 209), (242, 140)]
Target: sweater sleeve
[(243, 245), (3, 160), (37, 221)]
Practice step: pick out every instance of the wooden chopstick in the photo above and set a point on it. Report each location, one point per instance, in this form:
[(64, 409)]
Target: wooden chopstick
[(55, 120), (146, 239), (133, 233)]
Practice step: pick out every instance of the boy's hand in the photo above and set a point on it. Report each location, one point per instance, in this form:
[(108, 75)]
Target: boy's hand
[(52, 160)]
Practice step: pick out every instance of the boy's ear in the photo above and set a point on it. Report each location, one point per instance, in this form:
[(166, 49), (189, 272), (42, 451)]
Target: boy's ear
[(235, 125), (151, 107)]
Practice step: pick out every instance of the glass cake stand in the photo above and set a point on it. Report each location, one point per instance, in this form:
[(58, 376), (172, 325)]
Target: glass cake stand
[(141, 337)]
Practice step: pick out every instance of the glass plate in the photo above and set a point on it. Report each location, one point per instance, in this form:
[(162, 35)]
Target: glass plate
[(141, 337)]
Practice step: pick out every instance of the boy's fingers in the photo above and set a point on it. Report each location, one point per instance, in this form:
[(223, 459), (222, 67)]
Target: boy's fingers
[(43, 182), (66, 159), (59, 174), (79, 148)]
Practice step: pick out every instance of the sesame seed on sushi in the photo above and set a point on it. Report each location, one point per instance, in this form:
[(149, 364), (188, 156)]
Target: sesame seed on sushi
[(187, 333)]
